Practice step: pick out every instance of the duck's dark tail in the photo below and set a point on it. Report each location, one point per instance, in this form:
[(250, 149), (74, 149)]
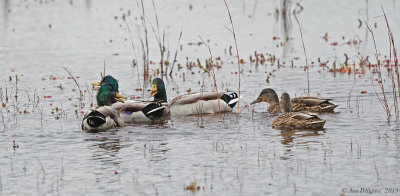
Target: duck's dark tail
[(95, 119), (153, 110), (231, 98)]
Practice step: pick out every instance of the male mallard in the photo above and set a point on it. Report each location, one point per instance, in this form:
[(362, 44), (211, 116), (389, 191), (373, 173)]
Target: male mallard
[(101, 119), (108, 80), (194, 103), (107, 95), (145, 111), (157, 90), (108, 92), (140, 111), (295, 120), (310, 104), (104, 117)]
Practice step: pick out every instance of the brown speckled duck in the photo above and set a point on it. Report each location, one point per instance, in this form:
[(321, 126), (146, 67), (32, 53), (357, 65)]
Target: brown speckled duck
[(310, 104), (295, 120)]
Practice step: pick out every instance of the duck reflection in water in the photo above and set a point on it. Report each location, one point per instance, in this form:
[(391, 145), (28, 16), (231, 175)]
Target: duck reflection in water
[(108, 142), (288, 135), (154, 148)]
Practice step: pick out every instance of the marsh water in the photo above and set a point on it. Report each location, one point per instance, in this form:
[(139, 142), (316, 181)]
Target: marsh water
[(43, 150)]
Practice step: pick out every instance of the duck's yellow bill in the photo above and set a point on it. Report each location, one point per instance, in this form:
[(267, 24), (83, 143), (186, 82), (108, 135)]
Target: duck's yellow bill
[(153, 90), (117, 95), (96, 83)]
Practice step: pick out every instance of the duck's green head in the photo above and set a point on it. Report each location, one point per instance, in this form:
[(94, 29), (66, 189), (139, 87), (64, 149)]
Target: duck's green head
[(267, 95), (108, 80), (286, 104), (107, 95), (158, 90)]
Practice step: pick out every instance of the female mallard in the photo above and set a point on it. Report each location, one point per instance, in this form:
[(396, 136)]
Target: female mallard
[(194, 103), (310, 104), (295, 120), (101, 119)]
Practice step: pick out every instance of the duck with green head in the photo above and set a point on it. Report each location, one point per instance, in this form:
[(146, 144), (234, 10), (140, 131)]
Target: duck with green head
[(145, 111), (107, 80), (194, 103), (108, 92), (157, 90), (295, 120), (106, 95), (310, 104), (104, 117)]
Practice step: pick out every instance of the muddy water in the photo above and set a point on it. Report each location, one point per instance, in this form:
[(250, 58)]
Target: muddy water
[(226, 154)]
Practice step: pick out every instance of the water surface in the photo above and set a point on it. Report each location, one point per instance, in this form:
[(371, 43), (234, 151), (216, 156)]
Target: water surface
[(229, 154)]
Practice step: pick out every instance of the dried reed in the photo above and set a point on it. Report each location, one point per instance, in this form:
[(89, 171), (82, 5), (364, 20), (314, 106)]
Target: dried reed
[(305, 54), (213, 73), (382, 100), (237, 51)]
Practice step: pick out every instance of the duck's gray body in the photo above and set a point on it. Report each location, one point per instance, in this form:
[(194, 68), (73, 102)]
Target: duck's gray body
[(140, 111), (202, 103)]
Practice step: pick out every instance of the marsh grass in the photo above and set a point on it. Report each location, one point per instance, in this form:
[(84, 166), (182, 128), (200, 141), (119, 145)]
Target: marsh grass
[(145, 41), (200, 106), (305, 54), (135, 60), (90, 93), (394, 75), (176, 54), (142, 35), (211, 67), (78, 86), (146, 60), (396, 78), (383, 99), (160, 40), (237, 51), (165, 52)]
